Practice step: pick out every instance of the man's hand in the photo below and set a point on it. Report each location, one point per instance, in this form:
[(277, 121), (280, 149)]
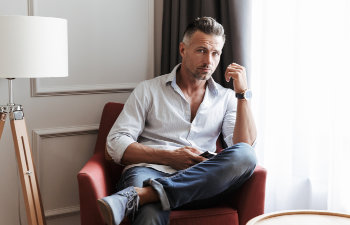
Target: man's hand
[(185, 157), (238, 74), (179, 159)]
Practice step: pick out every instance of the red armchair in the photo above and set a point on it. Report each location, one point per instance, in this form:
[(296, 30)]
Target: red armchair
[(99, 176)]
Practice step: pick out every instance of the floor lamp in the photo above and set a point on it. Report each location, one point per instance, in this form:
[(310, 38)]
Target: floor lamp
[(30, 47)]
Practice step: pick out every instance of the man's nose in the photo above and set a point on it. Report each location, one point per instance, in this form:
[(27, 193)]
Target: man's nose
[(208, 59)]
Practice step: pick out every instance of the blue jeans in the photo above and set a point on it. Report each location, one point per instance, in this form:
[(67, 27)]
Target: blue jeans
[(200, 185)]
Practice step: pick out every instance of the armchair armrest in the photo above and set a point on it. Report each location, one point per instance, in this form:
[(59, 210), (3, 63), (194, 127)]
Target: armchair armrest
[(249, 199), (94, 183)]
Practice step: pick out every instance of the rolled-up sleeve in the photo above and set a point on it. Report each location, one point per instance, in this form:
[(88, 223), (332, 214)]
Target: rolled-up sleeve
[(129, 124)]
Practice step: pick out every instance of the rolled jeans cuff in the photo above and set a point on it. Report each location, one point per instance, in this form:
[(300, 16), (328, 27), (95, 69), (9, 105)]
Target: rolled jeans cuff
[(158, 187)]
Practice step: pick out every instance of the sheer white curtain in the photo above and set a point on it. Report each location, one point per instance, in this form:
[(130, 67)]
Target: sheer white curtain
[(301, 80)]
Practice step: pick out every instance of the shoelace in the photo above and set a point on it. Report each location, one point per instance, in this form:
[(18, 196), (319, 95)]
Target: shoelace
[(133, 203)]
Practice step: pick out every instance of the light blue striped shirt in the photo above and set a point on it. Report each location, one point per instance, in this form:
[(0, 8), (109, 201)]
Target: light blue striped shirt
[(158, 115)]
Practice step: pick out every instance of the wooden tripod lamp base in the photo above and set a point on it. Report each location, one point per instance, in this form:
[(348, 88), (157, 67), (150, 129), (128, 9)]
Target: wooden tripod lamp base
[(2, 122), (27, 173)]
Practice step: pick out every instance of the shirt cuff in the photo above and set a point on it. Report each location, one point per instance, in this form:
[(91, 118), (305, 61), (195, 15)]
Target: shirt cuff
[(116, 147)]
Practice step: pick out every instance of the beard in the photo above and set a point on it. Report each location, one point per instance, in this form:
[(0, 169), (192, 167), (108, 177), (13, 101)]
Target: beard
[(202, 75), (199, 72)]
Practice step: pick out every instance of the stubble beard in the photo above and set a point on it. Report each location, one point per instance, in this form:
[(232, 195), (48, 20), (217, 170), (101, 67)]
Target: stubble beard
[(198, 75), (202, 76)]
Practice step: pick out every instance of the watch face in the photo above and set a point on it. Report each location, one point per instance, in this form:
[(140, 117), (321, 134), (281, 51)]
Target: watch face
[(248, 94)]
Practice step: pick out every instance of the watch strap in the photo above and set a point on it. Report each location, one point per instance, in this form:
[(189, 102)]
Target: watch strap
[(246, 94)]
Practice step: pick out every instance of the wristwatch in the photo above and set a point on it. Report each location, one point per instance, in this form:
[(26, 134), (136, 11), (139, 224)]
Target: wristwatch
[(247, 94)]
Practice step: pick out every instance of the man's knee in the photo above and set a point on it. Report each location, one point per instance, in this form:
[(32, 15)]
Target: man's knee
[(152, 214), (242, 156), (248, 156)]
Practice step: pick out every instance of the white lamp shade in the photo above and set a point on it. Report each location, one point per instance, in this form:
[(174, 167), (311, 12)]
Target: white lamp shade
[(32, 46)]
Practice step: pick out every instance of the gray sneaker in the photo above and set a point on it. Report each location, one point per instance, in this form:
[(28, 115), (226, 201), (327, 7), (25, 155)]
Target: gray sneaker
[(119, 205)]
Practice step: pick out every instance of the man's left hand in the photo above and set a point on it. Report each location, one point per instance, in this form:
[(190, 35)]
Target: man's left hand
[(238, 75)]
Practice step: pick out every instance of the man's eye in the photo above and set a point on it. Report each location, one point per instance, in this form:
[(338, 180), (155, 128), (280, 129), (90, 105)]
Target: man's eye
[(201, 50)]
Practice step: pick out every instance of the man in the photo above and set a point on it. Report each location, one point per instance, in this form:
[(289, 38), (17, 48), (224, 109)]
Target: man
[(168, 121)]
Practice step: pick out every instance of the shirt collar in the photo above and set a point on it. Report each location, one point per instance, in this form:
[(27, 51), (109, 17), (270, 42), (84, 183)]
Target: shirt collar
[(171, 79)]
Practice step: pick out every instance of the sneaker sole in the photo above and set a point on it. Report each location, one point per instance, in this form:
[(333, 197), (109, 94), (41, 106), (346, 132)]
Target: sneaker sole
[(106, 212)]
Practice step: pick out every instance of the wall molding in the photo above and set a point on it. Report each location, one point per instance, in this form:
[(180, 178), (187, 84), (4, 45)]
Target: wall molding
[(63, 132), (66, 211), (38, 135), (37, 90)]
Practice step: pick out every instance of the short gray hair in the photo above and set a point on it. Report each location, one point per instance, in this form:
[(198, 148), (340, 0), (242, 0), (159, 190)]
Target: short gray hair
[(206, 25)]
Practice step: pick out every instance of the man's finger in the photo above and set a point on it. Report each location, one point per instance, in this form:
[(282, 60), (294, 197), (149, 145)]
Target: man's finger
[(230, 75), (194, 150), (198, 158), (236, 65)]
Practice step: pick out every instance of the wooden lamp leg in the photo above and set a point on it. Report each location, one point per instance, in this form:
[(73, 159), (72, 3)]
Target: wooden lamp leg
[(29, 181), (2, 122)]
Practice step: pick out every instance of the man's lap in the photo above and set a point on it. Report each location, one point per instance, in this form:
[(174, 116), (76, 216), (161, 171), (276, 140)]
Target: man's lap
[(136, 176)]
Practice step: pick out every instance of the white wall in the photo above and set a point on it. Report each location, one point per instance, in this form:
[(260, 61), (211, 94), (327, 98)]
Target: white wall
[(113, 45)]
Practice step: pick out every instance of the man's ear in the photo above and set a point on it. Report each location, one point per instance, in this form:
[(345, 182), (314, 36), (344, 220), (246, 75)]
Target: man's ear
[(182, 49)]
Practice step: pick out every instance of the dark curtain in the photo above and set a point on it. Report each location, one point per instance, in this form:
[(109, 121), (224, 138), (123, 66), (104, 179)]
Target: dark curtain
[(234, 15)]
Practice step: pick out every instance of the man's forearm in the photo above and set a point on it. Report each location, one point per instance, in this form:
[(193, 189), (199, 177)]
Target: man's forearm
[(179, 159), (245, 129), (139, 153)]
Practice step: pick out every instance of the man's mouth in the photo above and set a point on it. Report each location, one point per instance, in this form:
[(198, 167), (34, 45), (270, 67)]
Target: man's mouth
[(204, 69)]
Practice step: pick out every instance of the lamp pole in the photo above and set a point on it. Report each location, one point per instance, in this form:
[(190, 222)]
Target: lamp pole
[(10, 91)]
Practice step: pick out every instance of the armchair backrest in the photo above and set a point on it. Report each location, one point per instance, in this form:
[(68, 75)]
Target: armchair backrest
[(110, 113)]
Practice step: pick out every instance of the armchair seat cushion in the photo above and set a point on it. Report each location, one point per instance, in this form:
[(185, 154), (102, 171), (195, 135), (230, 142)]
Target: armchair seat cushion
[(209, 216), (217, 215)]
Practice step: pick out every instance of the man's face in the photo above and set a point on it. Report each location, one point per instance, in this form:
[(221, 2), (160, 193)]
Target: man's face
[(201, 55)]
